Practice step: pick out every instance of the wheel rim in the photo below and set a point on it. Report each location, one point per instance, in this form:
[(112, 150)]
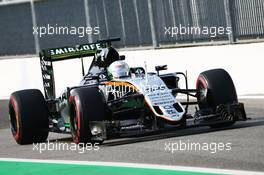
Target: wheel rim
[(74, 124), (202, 94), (14, 119)]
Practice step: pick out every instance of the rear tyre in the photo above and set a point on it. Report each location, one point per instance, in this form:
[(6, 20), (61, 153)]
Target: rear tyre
[(28, 116), (216, 87), (87, 104)]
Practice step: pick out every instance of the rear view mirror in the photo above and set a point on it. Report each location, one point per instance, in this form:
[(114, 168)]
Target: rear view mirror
[(159, 68), (122, 57), (163, 67)]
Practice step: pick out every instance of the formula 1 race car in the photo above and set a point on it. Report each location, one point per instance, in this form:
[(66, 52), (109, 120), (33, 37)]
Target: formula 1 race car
[(114, 99)]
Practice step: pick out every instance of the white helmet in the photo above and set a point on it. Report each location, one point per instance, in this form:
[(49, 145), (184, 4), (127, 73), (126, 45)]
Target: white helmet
[(118, 69)]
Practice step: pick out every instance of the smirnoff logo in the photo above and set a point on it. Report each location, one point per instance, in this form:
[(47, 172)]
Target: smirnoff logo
[(64, 50)]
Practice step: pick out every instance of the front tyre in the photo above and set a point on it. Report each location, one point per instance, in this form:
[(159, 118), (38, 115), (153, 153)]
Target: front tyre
[(215, 88), (86, 105), (28, 116)]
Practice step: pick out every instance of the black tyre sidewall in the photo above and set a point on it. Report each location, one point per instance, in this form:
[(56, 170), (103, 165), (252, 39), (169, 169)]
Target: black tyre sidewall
[(220, 88), (89, 105), (32, 115)]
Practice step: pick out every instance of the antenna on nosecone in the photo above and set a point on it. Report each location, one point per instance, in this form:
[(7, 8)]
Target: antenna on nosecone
[(146, 70)]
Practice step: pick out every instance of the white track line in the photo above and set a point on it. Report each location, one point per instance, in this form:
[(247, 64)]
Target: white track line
[(137, 165)]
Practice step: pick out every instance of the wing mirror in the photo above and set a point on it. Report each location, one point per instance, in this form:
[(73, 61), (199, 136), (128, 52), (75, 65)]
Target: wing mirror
[(160, 68), (122, 57)]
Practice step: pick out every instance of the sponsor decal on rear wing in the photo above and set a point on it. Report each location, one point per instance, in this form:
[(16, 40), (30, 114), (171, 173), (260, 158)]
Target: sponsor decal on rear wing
[(68, 52), (62, 53)]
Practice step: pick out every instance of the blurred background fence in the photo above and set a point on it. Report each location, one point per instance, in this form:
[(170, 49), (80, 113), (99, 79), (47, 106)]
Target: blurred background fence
[(139, 23)]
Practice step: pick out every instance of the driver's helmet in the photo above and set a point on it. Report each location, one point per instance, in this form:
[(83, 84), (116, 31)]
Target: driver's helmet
[(118, 69)]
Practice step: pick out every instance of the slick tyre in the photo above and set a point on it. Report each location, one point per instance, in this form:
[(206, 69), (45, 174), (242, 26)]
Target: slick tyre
[(28, 116), (86, 105), (216, 87)]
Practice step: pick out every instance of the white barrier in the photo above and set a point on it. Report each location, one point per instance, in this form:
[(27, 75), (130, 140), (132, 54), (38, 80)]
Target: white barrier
[(244, 62)]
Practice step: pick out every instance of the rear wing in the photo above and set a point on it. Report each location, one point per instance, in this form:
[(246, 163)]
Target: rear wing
[(48, 56), (64, 53)]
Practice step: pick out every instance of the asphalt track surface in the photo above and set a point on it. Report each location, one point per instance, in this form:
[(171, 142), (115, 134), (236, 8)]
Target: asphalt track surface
[(246, 138)]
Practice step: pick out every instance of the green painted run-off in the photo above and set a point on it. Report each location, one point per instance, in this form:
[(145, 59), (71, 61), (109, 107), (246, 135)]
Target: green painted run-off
[(27, 168)]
